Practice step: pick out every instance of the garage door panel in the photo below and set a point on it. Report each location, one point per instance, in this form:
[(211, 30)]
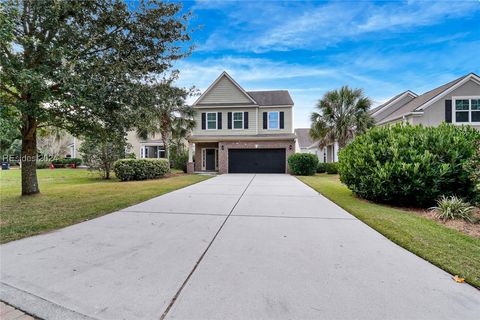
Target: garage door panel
[(256, 160)]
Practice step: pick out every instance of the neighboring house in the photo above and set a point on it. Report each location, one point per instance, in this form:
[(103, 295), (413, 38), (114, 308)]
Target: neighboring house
[(149, 148), (305, 144), (455, 102), (241, 132)]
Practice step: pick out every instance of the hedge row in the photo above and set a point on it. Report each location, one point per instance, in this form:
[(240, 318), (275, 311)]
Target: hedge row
[(410, 165), (140, 169)]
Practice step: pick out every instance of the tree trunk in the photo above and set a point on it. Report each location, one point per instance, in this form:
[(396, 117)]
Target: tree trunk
[(29, 156)]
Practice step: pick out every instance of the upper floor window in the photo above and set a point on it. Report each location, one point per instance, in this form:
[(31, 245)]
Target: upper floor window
[(273, 120), (238, 120), (211, 120), (467, 109)]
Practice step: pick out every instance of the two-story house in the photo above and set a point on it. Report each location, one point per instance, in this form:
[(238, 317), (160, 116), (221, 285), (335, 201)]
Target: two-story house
[(456, 102), (241, 131)]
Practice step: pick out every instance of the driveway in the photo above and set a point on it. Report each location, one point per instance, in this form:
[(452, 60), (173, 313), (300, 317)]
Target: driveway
[(232, 247)]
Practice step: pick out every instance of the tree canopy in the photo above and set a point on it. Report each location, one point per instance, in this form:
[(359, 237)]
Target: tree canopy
[(84, 65), (341, 115)]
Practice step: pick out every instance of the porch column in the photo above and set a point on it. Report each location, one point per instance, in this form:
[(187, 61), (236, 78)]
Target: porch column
[(190, 164), (190, 152)]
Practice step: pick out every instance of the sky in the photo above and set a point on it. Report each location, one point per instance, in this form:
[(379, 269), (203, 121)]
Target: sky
[(310, 47)]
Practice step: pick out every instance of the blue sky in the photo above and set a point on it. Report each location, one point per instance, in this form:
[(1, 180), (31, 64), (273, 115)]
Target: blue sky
[(309, 47)]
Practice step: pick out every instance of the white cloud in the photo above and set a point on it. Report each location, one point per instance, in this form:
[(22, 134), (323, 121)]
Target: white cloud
[(270, 26), (306, 83)]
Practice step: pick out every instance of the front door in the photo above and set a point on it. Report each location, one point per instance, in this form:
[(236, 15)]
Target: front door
[(210, 159)]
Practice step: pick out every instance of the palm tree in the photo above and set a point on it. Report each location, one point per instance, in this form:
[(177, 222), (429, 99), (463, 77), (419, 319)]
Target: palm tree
[(342, 114), (169, 115)]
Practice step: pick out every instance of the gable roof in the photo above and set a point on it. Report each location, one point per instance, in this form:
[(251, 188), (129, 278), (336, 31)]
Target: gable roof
[(303, 137), (421, 102), (271, 98), (255, 98), (223, 75), (391, 101)]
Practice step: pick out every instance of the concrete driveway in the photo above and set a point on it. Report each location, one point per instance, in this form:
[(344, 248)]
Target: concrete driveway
[(232, 247)]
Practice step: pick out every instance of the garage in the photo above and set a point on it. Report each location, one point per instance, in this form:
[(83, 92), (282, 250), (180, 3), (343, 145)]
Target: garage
[(256, 161)]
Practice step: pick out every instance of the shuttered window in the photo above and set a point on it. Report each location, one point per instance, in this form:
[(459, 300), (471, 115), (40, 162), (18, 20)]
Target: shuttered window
[(211, 120), (238, 120)]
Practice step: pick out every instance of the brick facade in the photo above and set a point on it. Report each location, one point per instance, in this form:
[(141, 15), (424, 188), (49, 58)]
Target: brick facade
[(198, 153), (223, 147)]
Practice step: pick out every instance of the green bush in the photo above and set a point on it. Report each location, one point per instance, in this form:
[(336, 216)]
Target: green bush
[(453, 208), (473, 169), (140, 169), (43, 164), (321, 167), (410, 165), (303, 164), (75, 161), (179, 161), (331, 167)]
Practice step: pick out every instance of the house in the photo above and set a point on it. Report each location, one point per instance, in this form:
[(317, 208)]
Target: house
[(305, 144), (142, 148), (456, 102), (146, 148), (241, 132)]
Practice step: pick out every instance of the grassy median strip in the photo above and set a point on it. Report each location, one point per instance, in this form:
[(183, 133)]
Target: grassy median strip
[(69, 196), (448, 249)]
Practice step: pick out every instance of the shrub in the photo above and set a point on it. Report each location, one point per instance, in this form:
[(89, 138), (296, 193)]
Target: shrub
[(331, 167), (409, 165), (140, 169), (75, 161), (43, 164), (321, 167), (473, 169), (100, 152), (58, 163), (303, 164), (453, 208), (179, 161)]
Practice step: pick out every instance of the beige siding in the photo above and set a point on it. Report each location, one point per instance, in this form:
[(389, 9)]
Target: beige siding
[(224, 91), (253, 121), (435, 114), (137, 143), (252, 129), (288, 120)]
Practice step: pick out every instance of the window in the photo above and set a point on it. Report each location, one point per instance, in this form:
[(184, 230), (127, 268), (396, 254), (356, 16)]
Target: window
[(238, 120), (462, 110), (467, 109), (475, 110), (273, 120), (211, 120)]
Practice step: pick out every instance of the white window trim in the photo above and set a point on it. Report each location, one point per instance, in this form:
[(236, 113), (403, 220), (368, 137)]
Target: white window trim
[(233, 120), (216, 120), (268, 120), (469, 111)]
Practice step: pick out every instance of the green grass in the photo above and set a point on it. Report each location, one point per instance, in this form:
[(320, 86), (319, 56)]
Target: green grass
[(69, 196), (454, 252)]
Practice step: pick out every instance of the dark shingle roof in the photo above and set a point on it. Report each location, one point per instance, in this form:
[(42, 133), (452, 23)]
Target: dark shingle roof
[(271, 98), (303, 137), (421, 100)]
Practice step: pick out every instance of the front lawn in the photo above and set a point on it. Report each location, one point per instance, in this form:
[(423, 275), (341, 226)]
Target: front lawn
[(448, 249), (69, 196)]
